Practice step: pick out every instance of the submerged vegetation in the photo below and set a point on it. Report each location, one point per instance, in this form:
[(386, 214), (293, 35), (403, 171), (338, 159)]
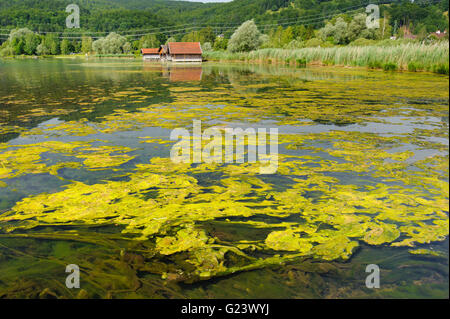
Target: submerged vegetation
[(340, 187)]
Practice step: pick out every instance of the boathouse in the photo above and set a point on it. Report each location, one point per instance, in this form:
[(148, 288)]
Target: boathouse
[(151, 54), (182, 52)]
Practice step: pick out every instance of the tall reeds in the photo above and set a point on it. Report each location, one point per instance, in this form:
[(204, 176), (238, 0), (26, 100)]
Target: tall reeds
[(405, 56)]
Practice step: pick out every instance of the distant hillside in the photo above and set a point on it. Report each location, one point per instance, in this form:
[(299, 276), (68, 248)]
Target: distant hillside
[(96, 15), (123, 15)]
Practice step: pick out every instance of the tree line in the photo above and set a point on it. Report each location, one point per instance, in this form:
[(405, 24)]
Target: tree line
[(342, 29)]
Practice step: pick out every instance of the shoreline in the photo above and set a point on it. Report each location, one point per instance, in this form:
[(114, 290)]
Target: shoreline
[(248, 58), (403, 57), (322, 64)]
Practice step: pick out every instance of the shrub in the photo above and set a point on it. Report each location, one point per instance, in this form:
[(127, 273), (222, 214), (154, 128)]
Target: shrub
[(300, 62), (412, 67), (7, 51), (389, 66), (220, 44), (440, 68), (314, 42), (375, 65), (112, 44), (362, 42), (206, 47), (246, 38)]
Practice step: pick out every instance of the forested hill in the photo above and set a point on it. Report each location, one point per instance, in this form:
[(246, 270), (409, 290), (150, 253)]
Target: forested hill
[(121, 15)]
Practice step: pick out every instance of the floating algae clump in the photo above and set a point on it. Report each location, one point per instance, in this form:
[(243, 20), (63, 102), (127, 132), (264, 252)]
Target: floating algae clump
[(289, 241), (380, 234), (185, 239), (333, 190), (166, 203), (30, 158), (387, 201)]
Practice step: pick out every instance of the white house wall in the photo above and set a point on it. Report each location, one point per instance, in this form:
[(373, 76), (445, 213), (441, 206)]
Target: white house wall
[(151, 57)]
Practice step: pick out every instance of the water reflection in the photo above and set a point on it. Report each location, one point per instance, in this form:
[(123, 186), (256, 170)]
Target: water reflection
[(347, 139)]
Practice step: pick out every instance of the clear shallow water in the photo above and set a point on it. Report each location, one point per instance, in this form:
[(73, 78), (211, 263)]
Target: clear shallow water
[(86, 179)]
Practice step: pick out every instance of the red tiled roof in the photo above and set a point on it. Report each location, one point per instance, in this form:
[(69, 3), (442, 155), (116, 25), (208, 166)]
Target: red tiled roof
[(440, 34), (184, 48), (150, 51)]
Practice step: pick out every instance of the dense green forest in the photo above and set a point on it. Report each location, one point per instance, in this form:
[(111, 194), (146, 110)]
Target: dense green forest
[(125, 26), (121, 15)]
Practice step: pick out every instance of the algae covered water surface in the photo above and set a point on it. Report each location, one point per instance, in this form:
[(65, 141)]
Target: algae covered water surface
[(86, 179)]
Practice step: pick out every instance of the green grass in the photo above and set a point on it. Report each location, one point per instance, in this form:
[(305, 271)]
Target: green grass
[(405, 56), (113, 55), (389, 66), (300, 62), (412, 67), (441, 68)]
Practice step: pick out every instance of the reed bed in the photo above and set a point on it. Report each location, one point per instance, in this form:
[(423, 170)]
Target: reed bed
[(407, 56)]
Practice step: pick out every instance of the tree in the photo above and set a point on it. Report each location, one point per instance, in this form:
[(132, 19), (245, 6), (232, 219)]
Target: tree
[(357, 28), (193, 36), (42, 49), (65, 47), (112, 44), (162, 38), (327, 32), (335, 33), (31, 43), (287, 36), (6, 50), (221, 43), (340, 31), (149, 41), (49, 45), (52, 42), (295, 44), (171, 39), (75, 46), (266, 41), (126, 47), (86, 44), (275, 38), (18, 38), (97, 46), (313, 42), (207, 35), (206, 47), (246, 38)]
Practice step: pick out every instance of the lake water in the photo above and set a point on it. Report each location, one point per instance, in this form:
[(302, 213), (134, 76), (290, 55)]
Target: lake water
[(86, 179)]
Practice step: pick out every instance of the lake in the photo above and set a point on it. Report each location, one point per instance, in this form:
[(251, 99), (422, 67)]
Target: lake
[(87, 179)]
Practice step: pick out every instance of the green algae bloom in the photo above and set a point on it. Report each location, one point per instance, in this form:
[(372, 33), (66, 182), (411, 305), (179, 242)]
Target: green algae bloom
[(340, 186)]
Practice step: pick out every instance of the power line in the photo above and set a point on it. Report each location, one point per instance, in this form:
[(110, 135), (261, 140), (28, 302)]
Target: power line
[(305, 20), (193, 24)]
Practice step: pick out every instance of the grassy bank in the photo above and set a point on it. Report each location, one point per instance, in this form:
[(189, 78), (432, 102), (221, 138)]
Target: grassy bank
[(71, 56), (410, 56)]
